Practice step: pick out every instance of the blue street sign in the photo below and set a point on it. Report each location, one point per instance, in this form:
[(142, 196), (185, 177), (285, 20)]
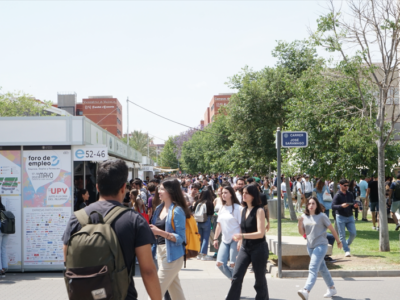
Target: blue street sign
[(294, 139)]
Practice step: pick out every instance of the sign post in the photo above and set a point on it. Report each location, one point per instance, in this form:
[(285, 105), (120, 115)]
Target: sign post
[(278, 183), (286, 139)]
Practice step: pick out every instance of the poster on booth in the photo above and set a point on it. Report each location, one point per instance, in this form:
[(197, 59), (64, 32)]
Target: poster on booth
[(47, 182), (10, 191)]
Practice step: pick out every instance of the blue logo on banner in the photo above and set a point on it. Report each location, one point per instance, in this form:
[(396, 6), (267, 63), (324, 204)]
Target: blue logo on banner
[(79, 153), (56, 161)]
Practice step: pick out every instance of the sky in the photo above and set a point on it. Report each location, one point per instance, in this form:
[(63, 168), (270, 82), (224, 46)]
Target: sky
[(168, 56)]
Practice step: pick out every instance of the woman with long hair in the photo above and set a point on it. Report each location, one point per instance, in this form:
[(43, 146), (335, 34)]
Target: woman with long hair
[(206, 198), (253, 246), (133, 194), (3, 244), (228, 222), (170, 241), (218, 202), (313, 223), (83, 198), (320, 189)]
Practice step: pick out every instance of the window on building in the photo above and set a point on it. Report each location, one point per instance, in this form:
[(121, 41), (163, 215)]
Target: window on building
[(118, 121), (212, 107), (118, 132), (118, 110), (79, 112), (212, 119)]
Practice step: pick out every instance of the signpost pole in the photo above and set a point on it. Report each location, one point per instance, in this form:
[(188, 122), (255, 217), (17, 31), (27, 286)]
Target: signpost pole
[(278, 181)]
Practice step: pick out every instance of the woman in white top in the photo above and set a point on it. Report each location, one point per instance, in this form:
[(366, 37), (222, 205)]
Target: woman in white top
[(218, 201), (229, 218)]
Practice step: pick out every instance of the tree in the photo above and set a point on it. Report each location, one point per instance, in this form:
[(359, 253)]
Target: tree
[(141, 141), (371, 29), (167, 158), (22, 105)]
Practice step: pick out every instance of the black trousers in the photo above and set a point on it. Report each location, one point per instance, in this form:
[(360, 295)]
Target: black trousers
[(258, 256)]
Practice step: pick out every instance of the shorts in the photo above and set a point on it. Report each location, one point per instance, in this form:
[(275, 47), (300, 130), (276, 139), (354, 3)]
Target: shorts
[(374, 206), (395, 206), (307, 195)]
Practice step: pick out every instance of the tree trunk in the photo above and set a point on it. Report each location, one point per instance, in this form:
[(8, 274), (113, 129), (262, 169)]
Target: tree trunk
[(293, 216), (383, 219)]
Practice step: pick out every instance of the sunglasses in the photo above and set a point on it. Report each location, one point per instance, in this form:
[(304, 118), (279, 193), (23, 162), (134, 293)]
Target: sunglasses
[(345, 185)]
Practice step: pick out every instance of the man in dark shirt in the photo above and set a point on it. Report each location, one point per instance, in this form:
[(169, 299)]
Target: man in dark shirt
[(343, 204), (373, 194), (133, 232)]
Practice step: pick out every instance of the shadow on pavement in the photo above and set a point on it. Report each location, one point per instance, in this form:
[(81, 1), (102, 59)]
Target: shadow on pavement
[(341, 298)]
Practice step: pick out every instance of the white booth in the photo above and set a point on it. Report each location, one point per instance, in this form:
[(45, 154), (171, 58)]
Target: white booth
[(43, 161)]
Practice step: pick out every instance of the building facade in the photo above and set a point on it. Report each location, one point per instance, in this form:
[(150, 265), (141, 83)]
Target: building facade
[(105, 111), (213, 109)]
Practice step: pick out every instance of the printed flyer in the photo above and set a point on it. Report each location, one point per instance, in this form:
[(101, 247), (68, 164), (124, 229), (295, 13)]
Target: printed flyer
[(47, 204)]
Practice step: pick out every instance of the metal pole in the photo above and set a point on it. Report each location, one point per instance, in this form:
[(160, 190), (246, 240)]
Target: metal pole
[(127, 121), (278, 181)]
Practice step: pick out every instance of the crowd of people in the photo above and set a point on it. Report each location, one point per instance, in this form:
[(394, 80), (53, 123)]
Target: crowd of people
[(232, 218)]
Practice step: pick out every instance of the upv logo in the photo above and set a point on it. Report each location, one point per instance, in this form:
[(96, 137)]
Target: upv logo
[(285, 135), (55, 160)]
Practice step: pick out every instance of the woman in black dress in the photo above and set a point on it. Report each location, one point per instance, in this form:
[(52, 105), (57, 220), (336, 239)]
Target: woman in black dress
[(253, 246)]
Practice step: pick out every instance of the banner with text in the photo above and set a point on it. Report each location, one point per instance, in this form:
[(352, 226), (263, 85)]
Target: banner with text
[(47, 192), (10, 191)]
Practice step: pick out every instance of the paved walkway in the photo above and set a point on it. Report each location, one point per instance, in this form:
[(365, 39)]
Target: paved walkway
[(201, 280)]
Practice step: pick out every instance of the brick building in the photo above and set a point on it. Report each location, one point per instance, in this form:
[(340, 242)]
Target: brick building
[(105, 111), (213, 109)]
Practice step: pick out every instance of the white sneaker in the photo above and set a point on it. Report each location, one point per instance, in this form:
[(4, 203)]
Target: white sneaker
[(207, 258), (330, 293), (199, 256), (303, 294), (347, 254), (377, 228), (373, 228)]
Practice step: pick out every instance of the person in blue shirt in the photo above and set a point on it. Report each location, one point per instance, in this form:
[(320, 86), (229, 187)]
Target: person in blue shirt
[(320, 189), (363, 191), (170, 242)]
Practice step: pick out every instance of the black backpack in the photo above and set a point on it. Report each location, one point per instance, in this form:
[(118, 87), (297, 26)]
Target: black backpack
[(7, 220), (396, 194)]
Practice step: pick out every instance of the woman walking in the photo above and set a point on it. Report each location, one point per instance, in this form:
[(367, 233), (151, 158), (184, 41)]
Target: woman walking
[(228, 222), (320, 189), (252, 245), (3, 250), (207, 199), (170, 242), (314, 224)]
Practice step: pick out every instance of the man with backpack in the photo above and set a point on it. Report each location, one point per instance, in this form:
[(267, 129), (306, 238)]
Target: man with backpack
[(102, 240), (394, 199)]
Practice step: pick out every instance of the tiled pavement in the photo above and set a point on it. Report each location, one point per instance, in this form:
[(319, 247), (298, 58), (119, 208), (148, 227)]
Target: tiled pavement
[(201, 280)]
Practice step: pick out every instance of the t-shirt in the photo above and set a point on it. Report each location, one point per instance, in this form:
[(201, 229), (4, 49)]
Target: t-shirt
[(298, 187), (131, 229), (239, 196), (308, 187), (373, 192), (150, 204), (393, 187), (363, 188), (283, 187), (229, 222), (315, 227)]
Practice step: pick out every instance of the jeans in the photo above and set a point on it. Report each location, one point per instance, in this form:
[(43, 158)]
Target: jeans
[(154, 251), (227, 252), (317, 263), (3, 251), (204, 231), (349, 223), (285, 200), (327, 212), (258, 256)]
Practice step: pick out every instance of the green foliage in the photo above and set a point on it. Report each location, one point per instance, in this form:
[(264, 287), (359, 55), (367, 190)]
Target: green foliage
[(21, 105), (140, 140), (167, 157)]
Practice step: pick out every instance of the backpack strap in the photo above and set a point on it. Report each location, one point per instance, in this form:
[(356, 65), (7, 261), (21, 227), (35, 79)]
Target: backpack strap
[(82, 217), (114, 213)]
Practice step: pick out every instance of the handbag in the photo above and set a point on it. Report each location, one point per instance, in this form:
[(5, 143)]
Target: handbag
[(200, 214), (327, 197)]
